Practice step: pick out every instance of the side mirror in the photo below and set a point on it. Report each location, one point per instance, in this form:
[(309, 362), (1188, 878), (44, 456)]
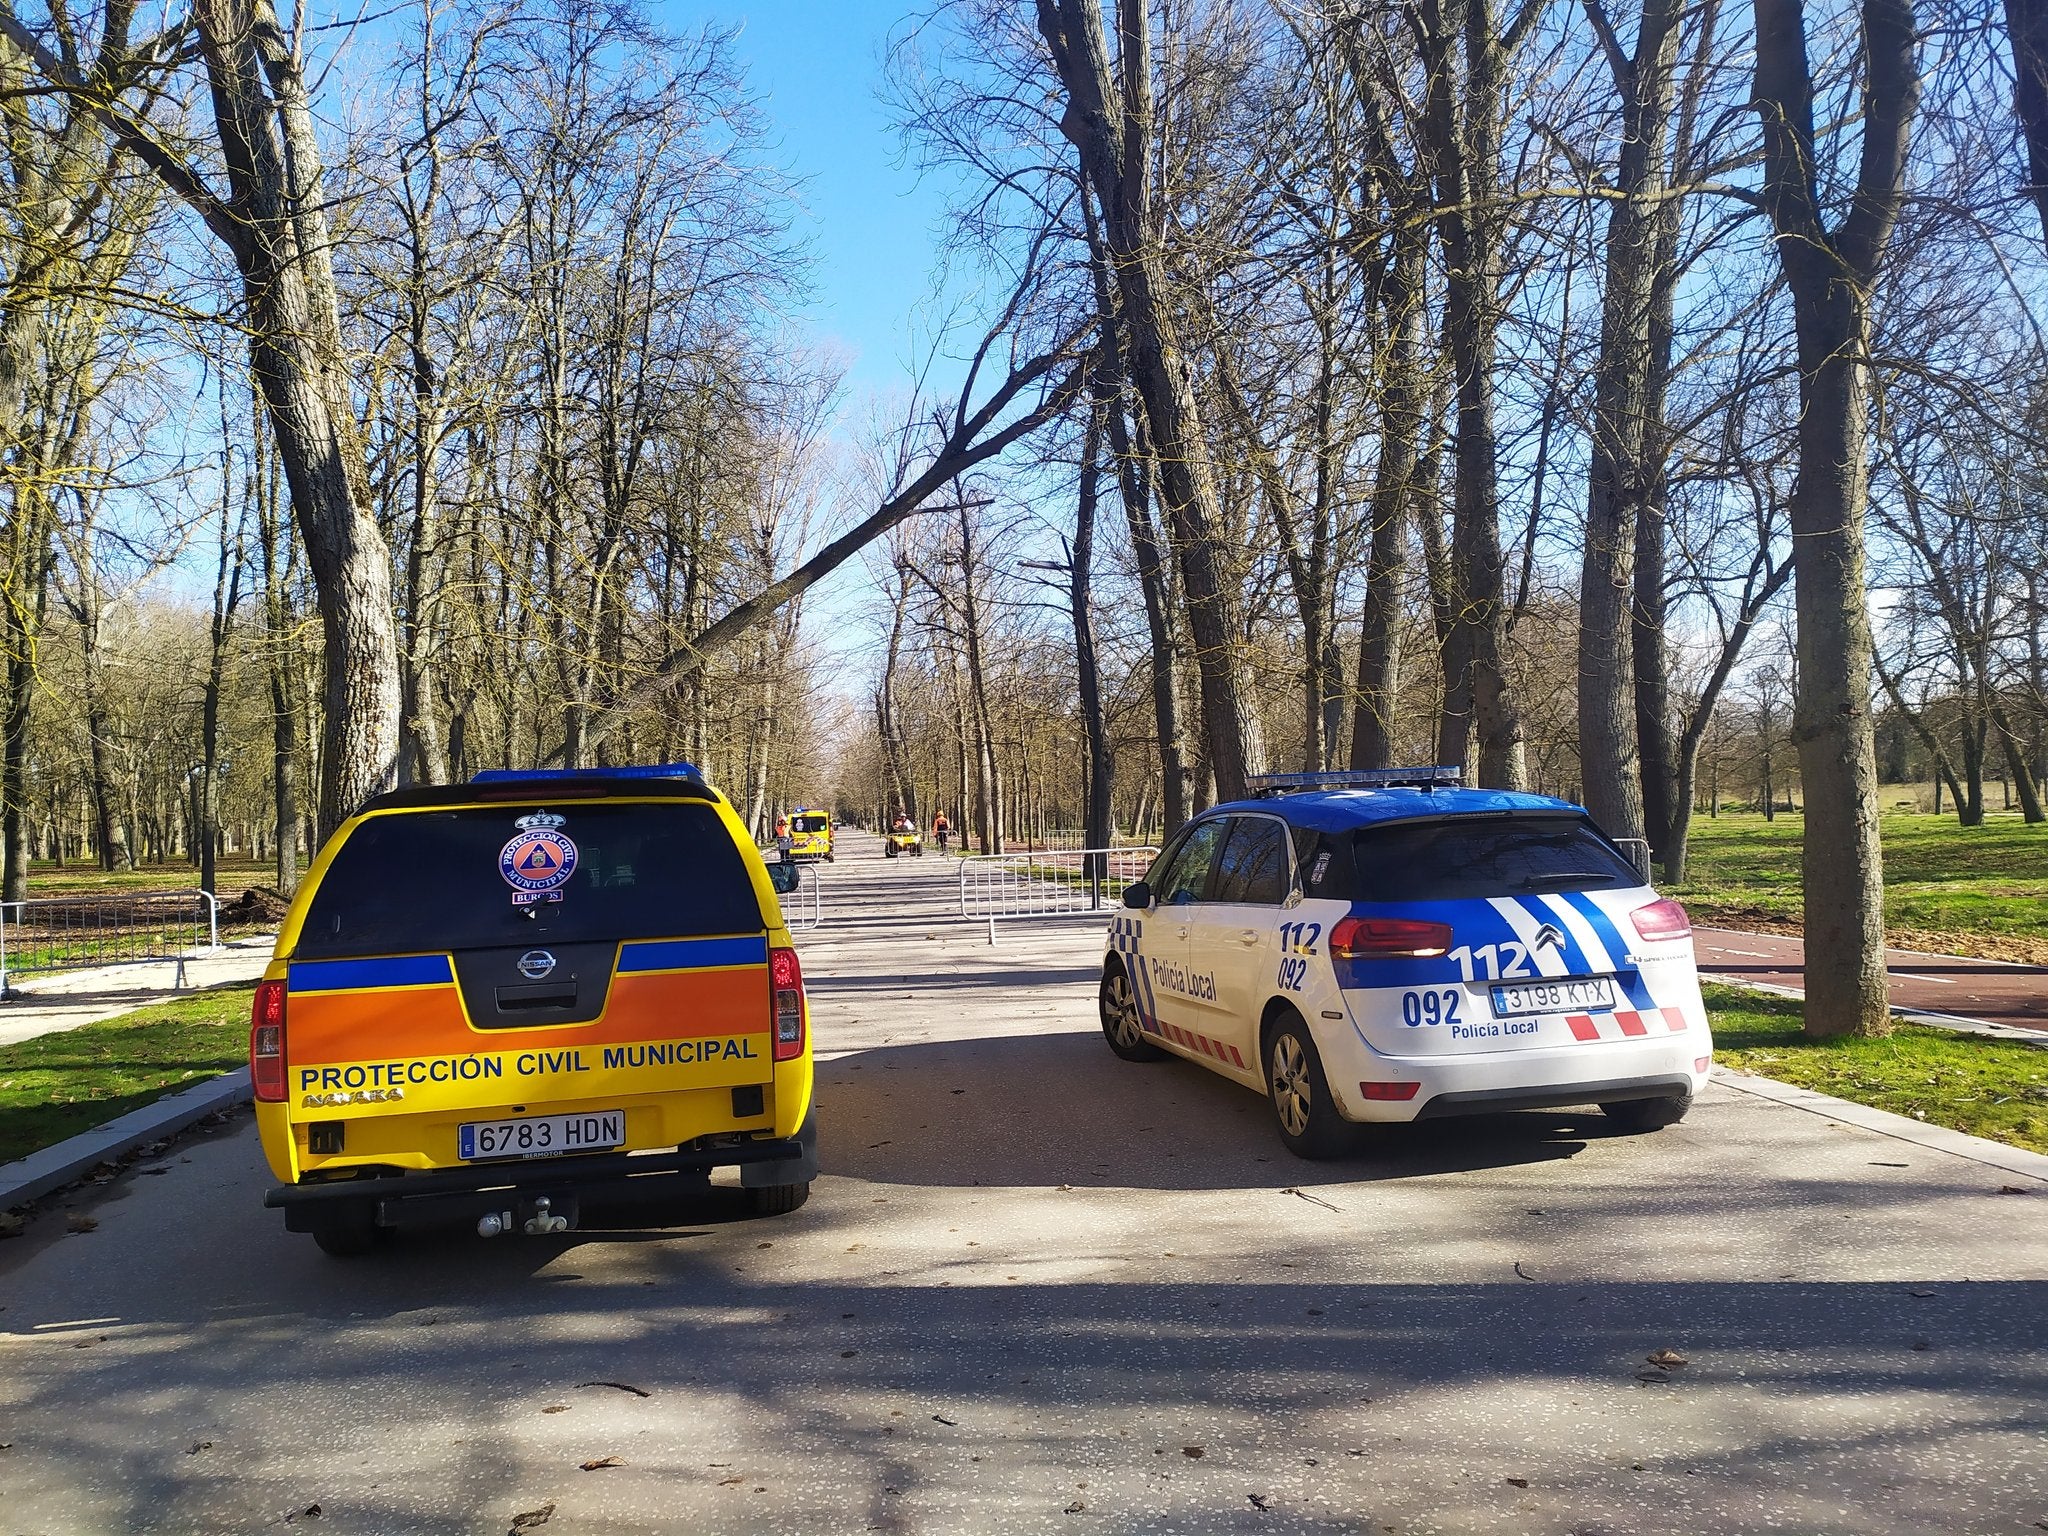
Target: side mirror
[(1138, 894), (784, 876)]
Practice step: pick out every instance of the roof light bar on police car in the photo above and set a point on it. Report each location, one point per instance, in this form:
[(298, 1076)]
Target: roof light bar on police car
[(627, 771), (1262, 784)]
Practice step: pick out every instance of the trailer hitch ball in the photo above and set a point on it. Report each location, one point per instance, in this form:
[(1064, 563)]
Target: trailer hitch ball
[(544, 1220)]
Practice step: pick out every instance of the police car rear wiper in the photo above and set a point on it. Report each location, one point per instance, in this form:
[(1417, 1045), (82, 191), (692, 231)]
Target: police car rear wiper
[(1532, 882)]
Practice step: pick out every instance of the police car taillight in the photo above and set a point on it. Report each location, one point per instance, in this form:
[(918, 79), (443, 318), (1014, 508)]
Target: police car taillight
[(266, 1042), (787, 978), (1387, 938), (1661, 920)]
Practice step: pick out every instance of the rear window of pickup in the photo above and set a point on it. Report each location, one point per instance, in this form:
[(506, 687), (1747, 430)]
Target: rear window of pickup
[(421, 881)]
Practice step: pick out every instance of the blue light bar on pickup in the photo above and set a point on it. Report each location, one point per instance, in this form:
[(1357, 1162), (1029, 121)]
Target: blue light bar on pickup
[(629, 771), (1355, 778)]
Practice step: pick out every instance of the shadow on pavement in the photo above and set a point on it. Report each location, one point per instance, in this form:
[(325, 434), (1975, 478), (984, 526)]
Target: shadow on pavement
[(967, 1112)]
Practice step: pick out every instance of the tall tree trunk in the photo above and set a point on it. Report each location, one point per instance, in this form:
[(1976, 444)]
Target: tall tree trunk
[(1394, 491), (1109, 119), (1096, 828), (277, 229), (1609, 762), (1830, 273), (1463, 126), (1134, 487)]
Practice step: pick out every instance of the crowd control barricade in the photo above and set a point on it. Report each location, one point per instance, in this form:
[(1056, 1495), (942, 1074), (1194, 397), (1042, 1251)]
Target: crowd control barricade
[(804, 908), (75, 933), (1065, 882), (1638, 850)]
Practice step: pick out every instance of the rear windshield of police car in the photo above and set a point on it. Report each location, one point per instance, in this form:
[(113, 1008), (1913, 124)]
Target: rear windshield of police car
[(430, 880), (1463, 857)]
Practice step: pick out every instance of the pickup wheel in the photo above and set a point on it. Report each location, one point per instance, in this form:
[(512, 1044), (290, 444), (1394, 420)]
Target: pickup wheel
[(346, 1232), (777, 1199), (1121, 1026), (1303, 1110)]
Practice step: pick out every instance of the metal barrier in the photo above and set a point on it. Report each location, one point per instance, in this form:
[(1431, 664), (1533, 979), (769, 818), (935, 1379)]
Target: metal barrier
[(74, 933), (810, 892), (1066, 882), (1638, 850)]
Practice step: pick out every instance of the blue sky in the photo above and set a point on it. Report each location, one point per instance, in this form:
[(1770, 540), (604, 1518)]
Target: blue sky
[(817, 66)]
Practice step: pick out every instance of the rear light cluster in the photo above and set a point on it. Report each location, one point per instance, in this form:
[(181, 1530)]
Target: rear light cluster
[(266, 1043), (1662, 920), (787, 978), (1387, 938)]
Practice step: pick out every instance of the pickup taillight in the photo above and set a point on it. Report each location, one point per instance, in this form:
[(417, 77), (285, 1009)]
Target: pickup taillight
[(787, 978), (266, 1043)]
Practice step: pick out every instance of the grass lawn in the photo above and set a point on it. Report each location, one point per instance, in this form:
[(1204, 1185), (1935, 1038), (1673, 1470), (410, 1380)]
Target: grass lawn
[(232, 875), (55, 1086), (1949, 889), (1992, 1088)]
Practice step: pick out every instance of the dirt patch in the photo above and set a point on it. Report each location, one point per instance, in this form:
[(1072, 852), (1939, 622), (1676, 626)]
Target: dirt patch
[(260, 906)]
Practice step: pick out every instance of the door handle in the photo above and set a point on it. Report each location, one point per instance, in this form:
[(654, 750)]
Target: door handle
[(1182, 932), (1248, 935)]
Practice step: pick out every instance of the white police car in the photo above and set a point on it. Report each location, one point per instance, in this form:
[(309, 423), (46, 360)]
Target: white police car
[(1386, 946)]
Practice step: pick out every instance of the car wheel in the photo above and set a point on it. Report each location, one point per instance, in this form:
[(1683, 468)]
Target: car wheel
[(1299, 1093), (777, 1199), (348, 1232), (1648, 1114), (1120, 1023)]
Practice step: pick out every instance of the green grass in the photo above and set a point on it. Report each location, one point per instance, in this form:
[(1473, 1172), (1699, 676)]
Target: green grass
[(58, 1085), (1992, 1088), (1980, 890), (231, 875)]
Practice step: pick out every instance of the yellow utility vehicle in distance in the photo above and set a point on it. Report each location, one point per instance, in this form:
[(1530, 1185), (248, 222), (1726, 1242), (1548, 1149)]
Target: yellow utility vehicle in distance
[(810, 834)]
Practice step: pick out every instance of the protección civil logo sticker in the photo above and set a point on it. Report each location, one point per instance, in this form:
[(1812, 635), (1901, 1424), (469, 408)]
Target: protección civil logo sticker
[(538, 862)]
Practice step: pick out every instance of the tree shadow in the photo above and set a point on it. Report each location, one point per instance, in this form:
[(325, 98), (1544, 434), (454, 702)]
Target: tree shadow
[(973, 1112)]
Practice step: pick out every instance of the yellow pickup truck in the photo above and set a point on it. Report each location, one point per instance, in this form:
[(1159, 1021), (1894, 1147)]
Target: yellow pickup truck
[(493, 1001)]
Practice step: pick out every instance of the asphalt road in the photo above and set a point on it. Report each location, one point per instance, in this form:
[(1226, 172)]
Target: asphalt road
[(2013, 995), (1039, 1289)]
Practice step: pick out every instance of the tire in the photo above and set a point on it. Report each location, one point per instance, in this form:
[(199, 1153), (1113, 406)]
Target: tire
[(1118, 1006), (1638, 1115), (777, 1199), (888, 850), (1303, 1110), (347, 1233)]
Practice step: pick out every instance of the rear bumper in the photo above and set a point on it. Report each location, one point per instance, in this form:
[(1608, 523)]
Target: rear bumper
[(1536, 1078), (1489, 1101), (410, 1198)]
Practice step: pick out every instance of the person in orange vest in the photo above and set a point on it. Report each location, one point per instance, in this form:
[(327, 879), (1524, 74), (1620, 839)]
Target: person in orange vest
[(940, 828)]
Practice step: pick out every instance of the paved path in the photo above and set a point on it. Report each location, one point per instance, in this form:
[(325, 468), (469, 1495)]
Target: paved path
[(1039, 1289), (68, 999), (2013, 995)]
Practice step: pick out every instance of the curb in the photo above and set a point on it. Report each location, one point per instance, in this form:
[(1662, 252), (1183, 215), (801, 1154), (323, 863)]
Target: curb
[(53, 1167), (1934, 1138)]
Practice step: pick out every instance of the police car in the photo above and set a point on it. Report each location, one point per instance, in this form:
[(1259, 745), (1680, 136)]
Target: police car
[(1389, 946)]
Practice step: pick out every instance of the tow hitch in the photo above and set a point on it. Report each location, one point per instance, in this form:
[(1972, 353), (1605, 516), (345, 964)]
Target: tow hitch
[(540, 1219)]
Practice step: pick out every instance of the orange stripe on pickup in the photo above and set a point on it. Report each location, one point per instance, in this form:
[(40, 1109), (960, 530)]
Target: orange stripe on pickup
[(431, 1021)]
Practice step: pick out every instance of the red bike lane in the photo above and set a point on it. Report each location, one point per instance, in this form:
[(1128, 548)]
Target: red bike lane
[(1985, 990)]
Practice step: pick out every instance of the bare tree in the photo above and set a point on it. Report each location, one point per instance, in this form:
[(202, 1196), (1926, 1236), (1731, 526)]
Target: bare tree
[(1830, 272)]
